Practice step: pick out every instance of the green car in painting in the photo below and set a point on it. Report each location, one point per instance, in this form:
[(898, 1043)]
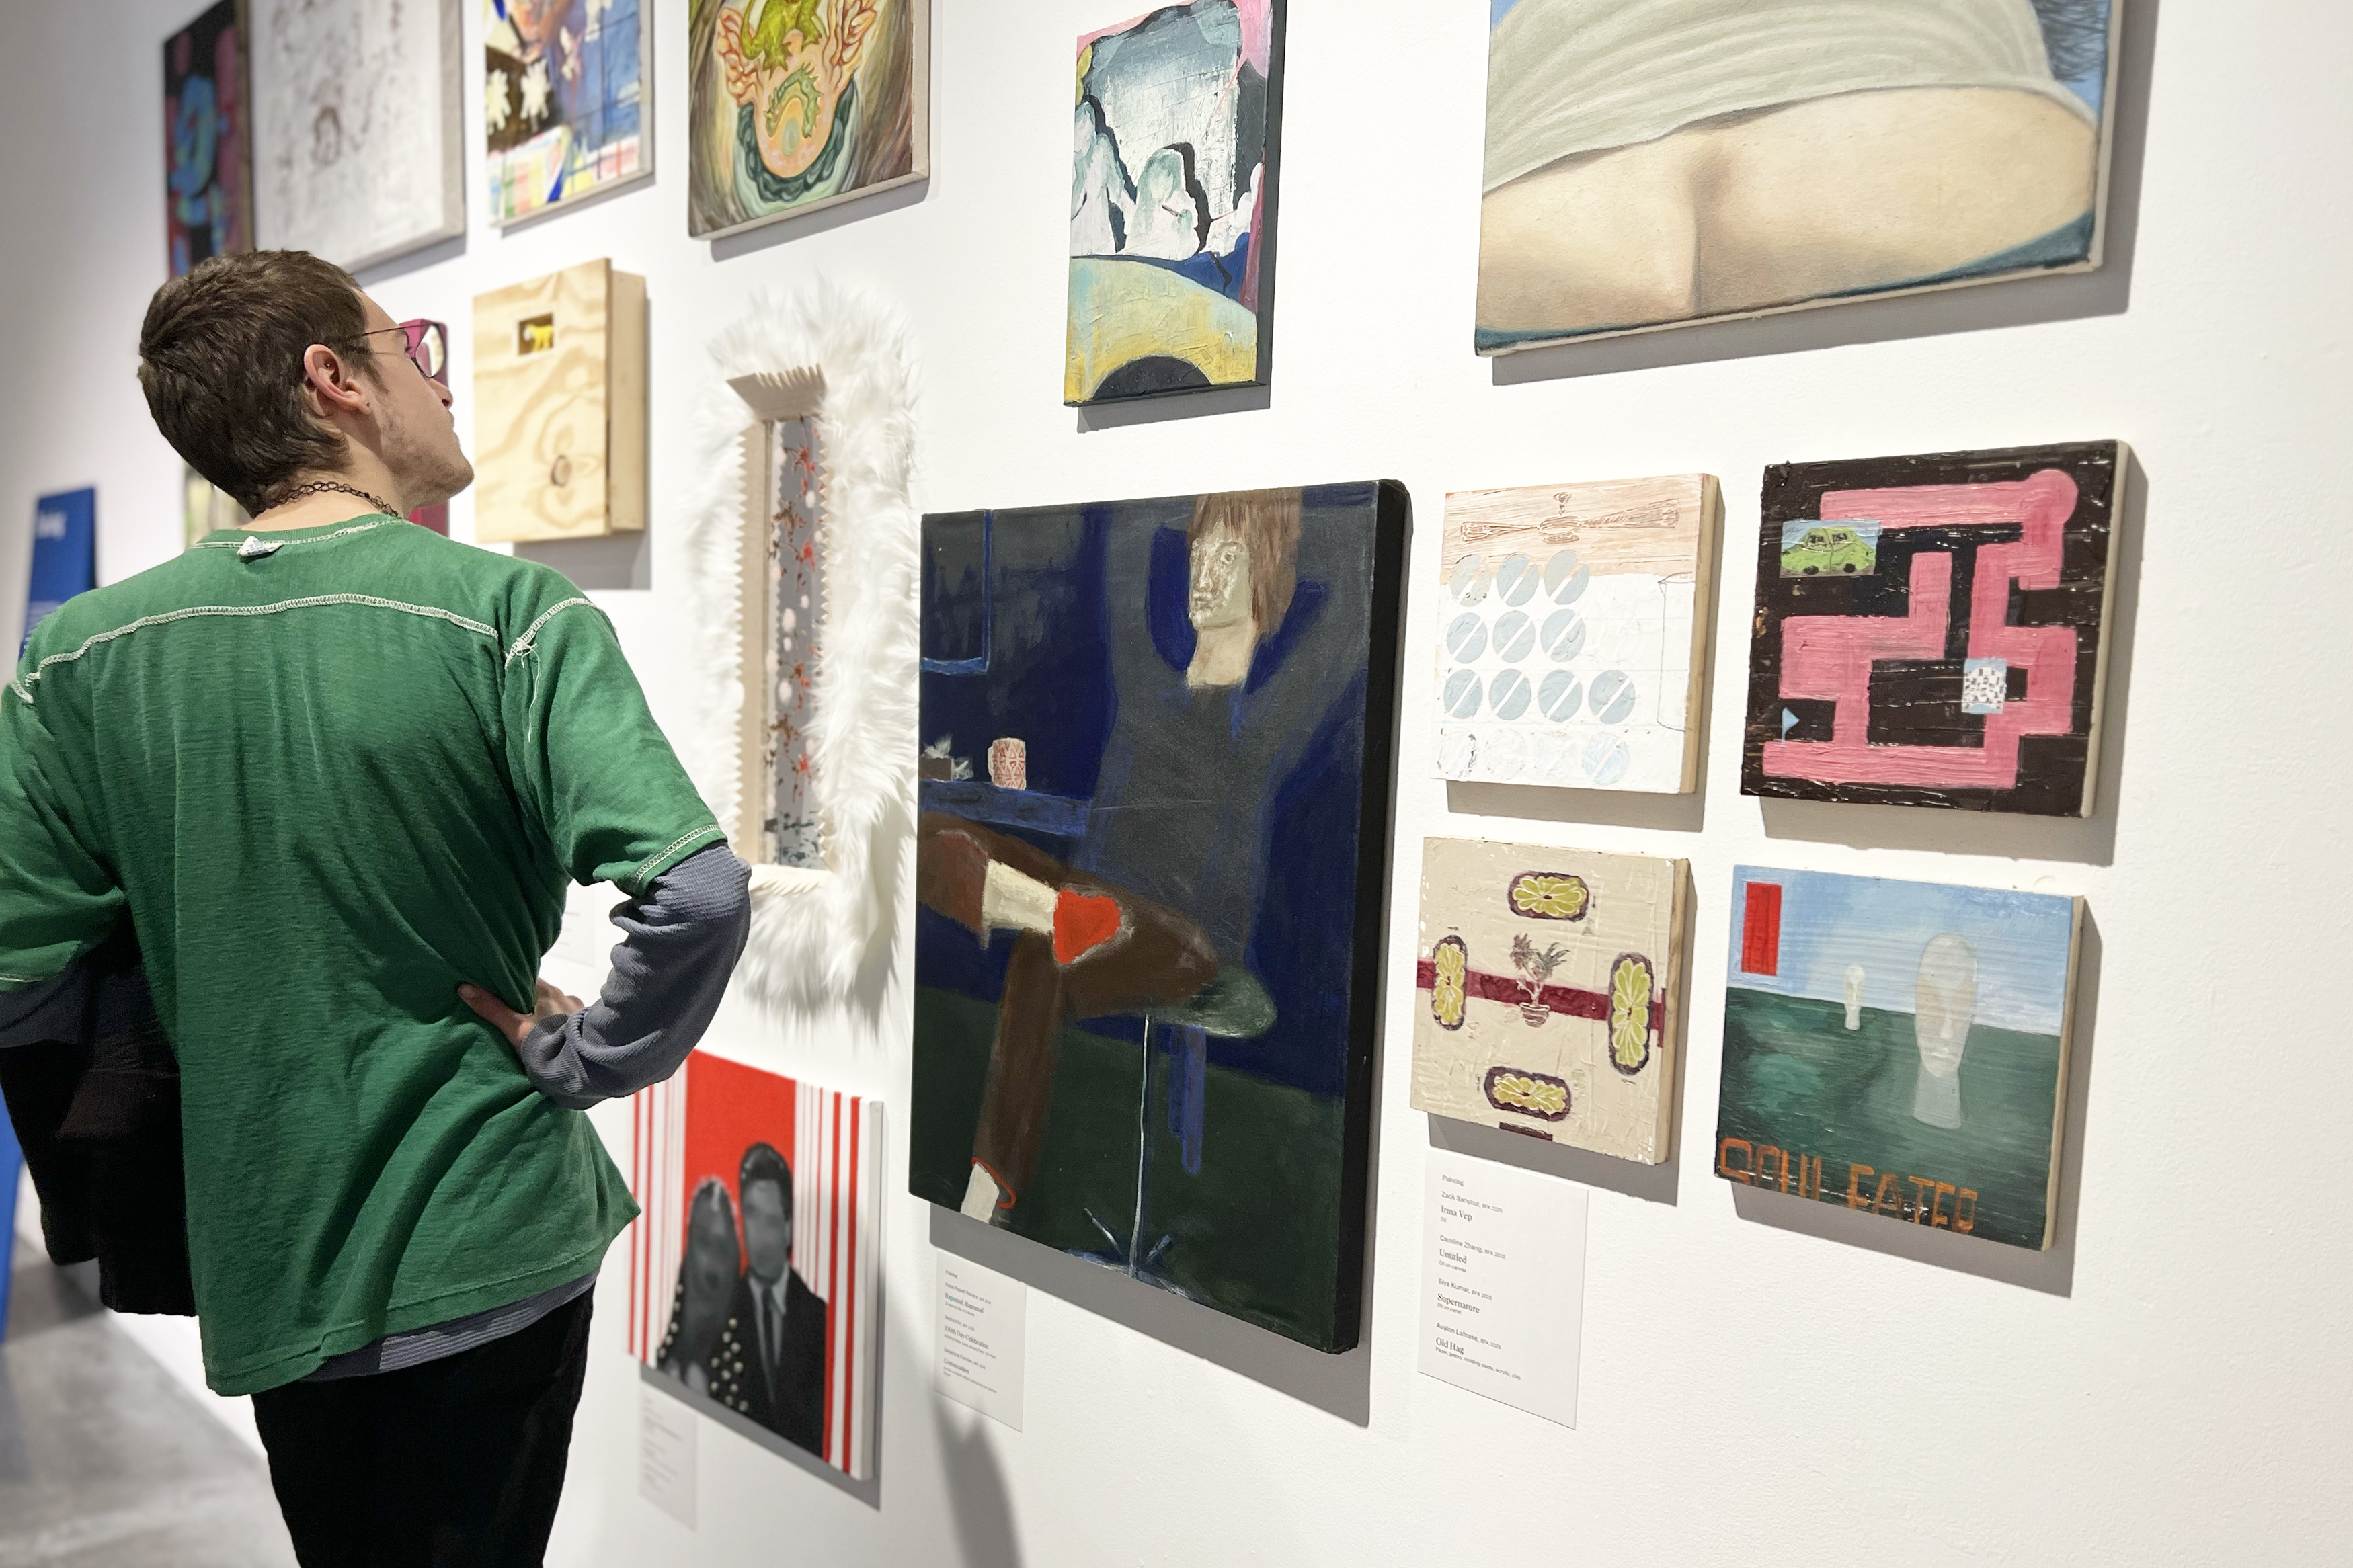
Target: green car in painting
[(1826, 551)]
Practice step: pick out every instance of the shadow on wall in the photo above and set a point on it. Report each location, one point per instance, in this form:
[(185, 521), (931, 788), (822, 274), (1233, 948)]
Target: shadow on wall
[(1338, 1384), (2027, 301), (979, 1498), (2053, 1272)]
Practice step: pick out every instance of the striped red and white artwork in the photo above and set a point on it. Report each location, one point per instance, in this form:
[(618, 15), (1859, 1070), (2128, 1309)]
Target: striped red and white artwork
[(696, 1141)]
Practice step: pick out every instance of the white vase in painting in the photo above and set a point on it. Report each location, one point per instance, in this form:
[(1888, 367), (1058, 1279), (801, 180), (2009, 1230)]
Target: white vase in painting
[(1855, 996), (1943, 1005)]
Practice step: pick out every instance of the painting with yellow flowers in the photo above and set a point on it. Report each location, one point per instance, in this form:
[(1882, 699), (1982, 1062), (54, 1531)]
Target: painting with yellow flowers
[(1547, 992), (796, 105)]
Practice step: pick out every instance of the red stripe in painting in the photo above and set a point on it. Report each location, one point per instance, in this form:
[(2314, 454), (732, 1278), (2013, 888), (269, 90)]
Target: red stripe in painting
[(849, 1289), (1760, 930), (833, 1281), (1566, 1000)]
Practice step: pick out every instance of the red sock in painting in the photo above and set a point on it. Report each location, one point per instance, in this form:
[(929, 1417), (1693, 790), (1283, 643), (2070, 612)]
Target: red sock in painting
[(1082, 922)]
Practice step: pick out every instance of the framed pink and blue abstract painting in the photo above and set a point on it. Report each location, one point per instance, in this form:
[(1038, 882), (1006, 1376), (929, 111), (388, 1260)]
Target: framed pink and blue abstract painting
[(1933, 630), (207, 139), (1657, 162), (1179, 119)]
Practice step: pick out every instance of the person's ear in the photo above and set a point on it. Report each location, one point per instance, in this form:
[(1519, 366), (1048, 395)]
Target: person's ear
[(332, 382)]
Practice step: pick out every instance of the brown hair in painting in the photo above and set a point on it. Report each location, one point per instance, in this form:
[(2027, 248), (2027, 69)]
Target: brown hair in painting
[(1267, 522)]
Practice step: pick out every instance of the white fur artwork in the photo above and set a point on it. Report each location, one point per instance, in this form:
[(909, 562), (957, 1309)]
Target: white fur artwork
[(822, 936)]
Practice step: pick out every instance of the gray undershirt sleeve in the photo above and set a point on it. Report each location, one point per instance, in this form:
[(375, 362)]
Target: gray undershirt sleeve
[(53, 1009), (681, 943)]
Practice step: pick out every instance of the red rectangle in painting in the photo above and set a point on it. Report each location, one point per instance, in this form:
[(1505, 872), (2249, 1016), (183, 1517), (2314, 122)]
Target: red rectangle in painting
[(1760, 930)]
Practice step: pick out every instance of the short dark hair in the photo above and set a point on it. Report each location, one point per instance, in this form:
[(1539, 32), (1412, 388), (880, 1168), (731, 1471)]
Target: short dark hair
[(763, 1163), (220, 358)]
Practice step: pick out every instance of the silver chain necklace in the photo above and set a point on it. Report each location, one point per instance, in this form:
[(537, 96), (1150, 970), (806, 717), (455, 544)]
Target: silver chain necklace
[(320, 486)]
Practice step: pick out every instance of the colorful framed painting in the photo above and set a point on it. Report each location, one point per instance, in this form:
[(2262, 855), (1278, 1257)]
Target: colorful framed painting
[(1900, 1048), (358, 146), (753, 1271), (1178, 124), (1150, 866), (208, 141), (795, 106), (1573, 631), (1933, 630), (1658, 162), (567, 101), (1547, 992)]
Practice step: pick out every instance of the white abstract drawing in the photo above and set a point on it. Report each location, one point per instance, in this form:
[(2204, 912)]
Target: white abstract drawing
[(357, 156), (1571, 620)]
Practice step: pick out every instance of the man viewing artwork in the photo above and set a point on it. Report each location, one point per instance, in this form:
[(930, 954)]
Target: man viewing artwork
[(333, 773)]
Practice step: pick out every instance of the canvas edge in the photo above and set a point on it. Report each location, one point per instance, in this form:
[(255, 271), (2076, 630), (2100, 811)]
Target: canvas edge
[(1276, 74), (2090, 263), (919, 89), (1392, 531), (2118, 487), (2066, 1067), (2102, 178), (839, 199), (1700, 691), (1678, 989), (865, 1350)]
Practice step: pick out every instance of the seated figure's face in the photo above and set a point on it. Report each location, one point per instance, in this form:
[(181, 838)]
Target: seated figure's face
[(1221, 581)]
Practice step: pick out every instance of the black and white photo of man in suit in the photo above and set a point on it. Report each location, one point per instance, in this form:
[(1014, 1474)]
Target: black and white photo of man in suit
[(770, 1363)]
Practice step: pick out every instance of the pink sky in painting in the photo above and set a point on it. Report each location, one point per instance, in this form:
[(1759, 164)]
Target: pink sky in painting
[(1258, 30), (1828, 658)]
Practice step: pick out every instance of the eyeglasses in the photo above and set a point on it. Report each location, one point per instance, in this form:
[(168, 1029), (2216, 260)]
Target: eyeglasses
[(426, 345)]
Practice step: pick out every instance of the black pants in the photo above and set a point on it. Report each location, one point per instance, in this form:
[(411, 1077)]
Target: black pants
[(455, 1464)]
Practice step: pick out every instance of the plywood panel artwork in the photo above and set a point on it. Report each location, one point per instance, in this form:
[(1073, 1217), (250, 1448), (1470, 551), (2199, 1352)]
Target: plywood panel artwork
[(1547, 989), (566, 99), (357, 145), (1655, 162), (798, 105), (753, 1270), (1151, 863), (1933, 630), (560, 406), (1178, 121), (1900, 1048), (1572, 633)]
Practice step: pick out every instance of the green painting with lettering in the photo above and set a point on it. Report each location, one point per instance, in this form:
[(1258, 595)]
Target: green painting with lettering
[(1899, 1048)]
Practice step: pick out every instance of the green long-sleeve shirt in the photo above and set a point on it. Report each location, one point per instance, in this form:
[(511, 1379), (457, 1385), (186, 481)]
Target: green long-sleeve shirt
[(331, 772)]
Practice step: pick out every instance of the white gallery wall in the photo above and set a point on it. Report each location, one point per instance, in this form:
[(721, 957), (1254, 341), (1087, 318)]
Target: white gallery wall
[(1765, 1381)]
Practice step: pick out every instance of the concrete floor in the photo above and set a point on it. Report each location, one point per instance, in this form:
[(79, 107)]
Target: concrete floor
[(104, 1461)]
